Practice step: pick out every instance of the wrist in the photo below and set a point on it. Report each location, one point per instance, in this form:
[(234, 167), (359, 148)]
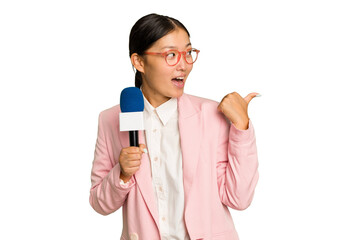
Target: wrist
[(242, 126), (124, 178)]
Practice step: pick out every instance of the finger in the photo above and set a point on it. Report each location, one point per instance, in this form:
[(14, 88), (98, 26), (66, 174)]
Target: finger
[(128, 168), (130, 171), (250, 96), (135, 163), (131, 150), (133, 170), (132, 157)]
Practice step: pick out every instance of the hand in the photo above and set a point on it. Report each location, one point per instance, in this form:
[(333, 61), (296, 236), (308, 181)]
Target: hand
[(234, 107), (130, 160)]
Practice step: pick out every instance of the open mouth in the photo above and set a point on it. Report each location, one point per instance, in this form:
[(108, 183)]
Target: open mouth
[(178, 81)]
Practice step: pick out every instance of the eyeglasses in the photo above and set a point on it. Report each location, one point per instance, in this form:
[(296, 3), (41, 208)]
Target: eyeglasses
[(172, 57)]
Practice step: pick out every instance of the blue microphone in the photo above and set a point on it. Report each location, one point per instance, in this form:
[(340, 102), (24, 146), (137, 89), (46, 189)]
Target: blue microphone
[(131, 116)]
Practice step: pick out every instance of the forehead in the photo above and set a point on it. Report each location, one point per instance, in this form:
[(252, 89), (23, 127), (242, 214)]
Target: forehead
[(177, 39)]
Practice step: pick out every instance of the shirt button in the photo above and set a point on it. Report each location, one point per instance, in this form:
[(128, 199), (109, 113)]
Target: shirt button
[(134, 236), (156, 158), (160, 189), (154, 130), (163, 218)]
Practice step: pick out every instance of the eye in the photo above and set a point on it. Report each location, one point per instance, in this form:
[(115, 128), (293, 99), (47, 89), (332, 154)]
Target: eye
[(171, 55), (189, 52)]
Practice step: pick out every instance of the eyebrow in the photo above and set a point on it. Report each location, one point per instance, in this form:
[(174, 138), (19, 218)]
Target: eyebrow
[(187, 45)]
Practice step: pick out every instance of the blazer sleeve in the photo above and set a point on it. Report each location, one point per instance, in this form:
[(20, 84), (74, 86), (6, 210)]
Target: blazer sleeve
[(237, 165), (107, 194)]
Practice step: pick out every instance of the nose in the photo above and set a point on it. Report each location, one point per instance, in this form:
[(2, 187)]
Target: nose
[(182, 63)]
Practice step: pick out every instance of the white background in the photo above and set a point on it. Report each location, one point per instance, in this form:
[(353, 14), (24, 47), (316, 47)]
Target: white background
[(62, 62)]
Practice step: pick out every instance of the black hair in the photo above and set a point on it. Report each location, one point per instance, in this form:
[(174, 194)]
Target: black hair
[(146, 31)]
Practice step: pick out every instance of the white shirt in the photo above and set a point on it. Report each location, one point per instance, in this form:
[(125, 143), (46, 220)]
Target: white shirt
[(163, 144)]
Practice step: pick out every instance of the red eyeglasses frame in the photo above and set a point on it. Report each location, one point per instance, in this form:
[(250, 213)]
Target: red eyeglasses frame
[(179, 55)]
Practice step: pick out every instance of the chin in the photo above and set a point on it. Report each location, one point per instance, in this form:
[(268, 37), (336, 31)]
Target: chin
[(177, 94)]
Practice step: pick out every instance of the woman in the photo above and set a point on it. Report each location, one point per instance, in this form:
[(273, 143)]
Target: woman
[(200, 156)]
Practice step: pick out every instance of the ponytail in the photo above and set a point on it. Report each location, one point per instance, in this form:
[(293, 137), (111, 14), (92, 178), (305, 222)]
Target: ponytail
[(138, 79)]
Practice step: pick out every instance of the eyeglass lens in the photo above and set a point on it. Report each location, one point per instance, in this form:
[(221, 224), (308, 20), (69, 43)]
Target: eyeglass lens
[(172, 57)]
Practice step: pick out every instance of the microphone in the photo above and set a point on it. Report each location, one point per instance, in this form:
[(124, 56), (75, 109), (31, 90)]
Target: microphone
[(131, 116)]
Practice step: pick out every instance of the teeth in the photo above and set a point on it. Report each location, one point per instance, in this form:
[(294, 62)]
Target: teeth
[(180, 78)]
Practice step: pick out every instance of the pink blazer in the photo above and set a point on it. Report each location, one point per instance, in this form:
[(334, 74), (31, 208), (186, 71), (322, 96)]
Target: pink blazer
[(219, 170)]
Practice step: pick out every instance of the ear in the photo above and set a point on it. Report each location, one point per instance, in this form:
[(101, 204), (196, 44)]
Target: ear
[(138, 62)]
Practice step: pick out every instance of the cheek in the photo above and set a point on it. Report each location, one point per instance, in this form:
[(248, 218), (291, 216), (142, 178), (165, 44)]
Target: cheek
[(158, 77), (190, 68), (165, 73), (152, 72), (158, 69)]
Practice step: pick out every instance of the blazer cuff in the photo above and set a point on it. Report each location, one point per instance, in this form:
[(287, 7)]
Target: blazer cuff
[(127, 184), (119, 183), (241, 136)]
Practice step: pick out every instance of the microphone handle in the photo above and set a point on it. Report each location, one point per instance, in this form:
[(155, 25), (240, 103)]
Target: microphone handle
[(134, 138)]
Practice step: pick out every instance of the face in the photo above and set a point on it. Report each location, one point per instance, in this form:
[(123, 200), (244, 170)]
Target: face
[(159, 84)]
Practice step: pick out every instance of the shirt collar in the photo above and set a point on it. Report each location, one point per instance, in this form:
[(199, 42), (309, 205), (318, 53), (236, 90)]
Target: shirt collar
[(164, 111)]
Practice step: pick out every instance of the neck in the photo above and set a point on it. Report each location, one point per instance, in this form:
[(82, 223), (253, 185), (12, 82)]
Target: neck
[(154, 99)]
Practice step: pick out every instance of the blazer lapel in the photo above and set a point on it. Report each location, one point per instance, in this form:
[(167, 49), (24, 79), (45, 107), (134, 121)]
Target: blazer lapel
[(190, 139), (143, 177)]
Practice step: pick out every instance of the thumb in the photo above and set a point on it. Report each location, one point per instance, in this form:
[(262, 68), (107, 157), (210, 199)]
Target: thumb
[(143, 148), (250, 96)]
